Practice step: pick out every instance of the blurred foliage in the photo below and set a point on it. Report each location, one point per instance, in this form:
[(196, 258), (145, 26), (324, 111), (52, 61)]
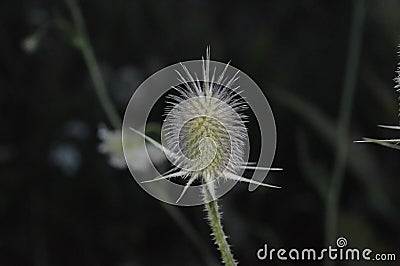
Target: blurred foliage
[(62, 204)]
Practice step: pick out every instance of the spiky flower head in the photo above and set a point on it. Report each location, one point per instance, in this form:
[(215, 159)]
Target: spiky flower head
[(204, 133), (204, 128)]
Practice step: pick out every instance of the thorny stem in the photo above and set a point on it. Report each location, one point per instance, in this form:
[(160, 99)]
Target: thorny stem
[(349, 87), (83, 44), (214, 218)]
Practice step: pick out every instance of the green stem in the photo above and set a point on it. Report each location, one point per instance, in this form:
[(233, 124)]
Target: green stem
[(86, 49), (214, 218), (349, 86)]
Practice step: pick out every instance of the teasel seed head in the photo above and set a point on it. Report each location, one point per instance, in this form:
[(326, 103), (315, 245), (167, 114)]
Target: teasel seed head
[(204, 133), (205, 130)]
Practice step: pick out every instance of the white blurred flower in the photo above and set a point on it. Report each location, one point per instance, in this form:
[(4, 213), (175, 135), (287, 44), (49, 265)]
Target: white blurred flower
[(111, 145)]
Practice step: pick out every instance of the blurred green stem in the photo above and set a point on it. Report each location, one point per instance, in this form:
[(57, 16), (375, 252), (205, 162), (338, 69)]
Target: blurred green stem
[(214, 218), (83, 44), (349, 86)]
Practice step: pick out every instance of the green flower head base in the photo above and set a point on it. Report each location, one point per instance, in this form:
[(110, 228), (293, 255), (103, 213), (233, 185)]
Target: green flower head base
[(204, 132)]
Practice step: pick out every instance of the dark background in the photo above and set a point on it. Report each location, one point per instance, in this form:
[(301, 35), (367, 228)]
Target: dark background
[(61, 203)]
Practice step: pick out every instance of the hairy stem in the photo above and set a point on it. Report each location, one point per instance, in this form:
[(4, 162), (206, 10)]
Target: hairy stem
[(214, 217), (83, 44), (349, 86)]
